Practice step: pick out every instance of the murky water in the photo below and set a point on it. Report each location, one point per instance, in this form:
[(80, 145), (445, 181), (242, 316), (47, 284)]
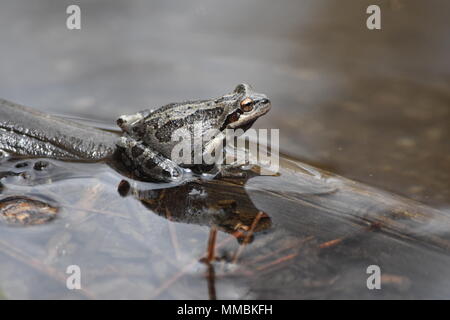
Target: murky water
[(302, 234), (371, 106)]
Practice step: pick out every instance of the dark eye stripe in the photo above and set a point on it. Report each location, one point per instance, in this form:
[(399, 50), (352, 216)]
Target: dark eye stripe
[(233, 117)]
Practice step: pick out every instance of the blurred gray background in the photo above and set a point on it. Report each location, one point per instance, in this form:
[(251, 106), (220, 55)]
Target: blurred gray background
[(370, 105)]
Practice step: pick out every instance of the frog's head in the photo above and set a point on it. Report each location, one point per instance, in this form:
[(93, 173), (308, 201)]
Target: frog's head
[(248, 106)]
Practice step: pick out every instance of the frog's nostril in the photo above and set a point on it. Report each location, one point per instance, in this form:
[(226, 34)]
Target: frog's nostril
[(265, 101)]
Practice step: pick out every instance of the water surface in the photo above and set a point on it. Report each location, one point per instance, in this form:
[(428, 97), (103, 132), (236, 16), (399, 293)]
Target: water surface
[(372, 106)]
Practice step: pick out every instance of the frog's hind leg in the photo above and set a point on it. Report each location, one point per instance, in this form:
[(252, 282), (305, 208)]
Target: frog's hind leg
[(146, 163)]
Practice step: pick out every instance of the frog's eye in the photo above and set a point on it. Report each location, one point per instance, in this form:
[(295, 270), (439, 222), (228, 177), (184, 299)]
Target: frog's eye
[(247, 105)]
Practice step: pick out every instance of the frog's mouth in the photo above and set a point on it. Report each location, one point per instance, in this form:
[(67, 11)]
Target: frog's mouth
[(246, 125), (240, 123)]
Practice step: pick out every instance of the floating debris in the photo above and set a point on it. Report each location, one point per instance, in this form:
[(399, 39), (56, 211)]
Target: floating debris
[(18, 210), (124, 188), (41, 165)]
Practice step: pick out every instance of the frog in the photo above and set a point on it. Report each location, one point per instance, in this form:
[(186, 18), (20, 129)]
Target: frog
[(142, 148), (146, 144)]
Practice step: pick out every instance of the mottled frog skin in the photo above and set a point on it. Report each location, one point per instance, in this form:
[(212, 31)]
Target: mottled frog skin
[(147, 144)]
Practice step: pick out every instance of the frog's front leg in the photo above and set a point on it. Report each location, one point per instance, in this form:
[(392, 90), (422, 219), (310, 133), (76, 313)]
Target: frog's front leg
[(216, 157), (146, 163), (232, 160)]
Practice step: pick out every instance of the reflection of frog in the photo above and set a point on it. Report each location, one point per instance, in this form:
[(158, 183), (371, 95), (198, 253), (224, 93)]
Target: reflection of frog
[(147, 141), (224, 204)]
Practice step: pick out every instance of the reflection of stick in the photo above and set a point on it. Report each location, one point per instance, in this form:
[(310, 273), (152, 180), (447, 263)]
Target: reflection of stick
[(211, 276), (37, 265), (210, 254), (330, 243), (173, 235), (248, 236), (278, 261), (172, 280), (182, 271), (296, 244)]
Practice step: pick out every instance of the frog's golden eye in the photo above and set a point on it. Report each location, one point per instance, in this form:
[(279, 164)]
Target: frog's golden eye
[(247, 105)]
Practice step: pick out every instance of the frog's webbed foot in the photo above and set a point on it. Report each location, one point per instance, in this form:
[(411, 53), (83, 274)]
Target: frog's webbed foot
[(146, 163), (233, 163)]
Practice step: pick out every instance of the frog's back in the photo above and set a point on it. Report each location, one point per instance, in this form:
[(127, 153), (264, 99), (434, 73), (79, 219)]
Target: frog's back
[(157, 127), (184, 112)]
